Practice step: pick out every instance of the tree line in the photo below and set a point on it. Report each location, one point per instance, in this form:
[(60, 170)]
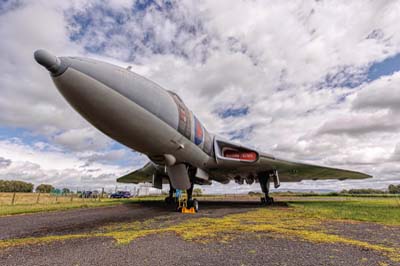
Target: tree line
[(392, 189), (21, 186), (15, 186)]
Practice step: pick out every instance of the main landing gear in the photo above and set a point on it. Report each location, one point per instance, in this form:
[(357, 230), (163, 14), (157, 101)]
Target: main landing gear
[(183, 199), (170, 199), (190, 202), (265, 179)]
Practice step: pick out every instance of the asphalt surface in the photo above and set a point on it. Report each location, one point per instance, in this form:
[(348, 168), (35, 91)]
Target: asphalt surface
[(77, 220), (84, 220), (169, 249)]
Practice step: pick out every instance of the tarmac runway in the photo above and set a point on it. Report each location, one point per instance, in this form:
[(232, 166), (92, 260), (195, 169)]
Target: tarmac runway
[(168, 248)]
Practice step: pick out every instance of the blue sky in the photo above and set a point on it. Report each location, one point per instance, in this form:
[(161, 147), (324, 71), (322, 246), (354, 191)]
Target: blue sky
[(386, 67), (323, 88)]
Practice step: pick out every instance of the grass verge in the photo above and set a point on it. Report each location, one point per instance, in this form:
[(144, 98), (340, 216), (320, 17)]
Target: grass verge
[(33, 208), (379, 210), (66, 205)]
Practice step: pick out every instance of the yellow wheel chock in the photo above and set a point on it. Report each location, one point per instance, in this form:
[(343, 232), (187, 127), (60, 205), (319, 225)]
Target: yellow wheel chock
[(182, 203), (190, 210)]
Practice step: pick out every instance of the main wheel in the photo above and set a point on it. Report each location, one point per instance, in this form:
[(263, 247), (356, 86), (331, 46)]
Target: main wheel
[(169, 200), (195, 205), (270, 201), (262, 200)]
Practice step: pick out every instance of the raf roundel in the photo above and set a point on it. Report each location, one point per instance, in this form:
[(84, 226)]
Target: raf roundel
[(198, 136)]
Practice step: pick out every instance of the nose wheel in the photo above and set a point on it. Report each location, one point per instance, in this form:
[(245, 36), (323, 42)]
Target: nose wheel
[(185, 204), (194, 204), (183, 199)]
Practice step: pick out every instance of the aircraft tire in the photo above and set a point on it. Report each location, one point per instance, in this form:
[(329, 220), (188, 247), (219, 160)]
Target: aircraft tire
[(263, 200), (269, 201), (169, 200), (195, 205)]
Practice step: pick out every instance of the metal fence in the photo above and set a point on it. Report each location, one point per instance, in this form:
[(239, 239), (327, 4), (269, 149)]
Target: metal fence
[(44, 198)]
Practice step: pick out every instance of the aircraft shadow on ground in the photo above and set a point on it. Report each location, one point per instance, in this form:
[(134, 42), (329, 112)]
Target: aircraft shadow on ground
[(208, 204)]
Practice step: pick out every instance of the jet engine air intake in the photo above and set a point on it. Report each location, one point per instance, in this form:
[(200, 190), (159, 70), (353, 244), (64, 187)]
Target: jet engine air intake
[(227, 152), (250, 156)]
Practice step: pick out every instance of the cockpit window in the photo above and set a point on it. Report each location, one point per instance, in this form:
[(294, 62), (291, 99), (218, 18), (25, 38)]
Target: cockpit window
[(176, 95)]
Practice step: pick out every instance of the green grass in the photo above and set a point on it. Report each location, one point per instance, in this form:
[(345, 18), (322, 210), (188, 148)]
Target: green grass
[(379, 210), (384, 210), (32, 208), (25, 203)]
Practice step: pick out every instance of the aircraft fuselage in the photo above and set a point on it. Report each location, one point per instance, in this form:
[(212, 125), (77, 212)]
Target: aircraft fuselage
[(132, 110)]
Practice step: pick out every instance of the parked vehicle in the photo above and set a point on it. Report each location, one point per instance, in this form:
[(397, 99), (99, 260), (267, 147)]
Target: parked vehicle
[(120, 195), (89, 194), (86, 194)]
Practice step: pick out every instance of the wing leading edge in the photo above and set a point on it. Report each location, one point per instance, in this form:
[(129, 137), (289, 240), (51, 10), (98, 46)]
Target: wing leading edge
[(142, 175), (294, 172), (289, 171)]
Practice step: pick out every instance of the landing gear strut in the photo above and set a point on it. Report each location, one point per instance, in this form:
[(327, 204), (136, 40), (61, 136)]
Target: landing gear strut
[(170, 199), (190, 201), (264, 179), (183, 201)]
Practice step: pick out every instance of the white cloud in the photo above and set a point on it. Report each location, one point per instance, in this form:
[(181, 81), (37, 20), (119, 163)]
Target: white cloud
[(34, 164), (83, 139), (383, 93), (356, 124), (285, 61), (29, 98), (4, 162)]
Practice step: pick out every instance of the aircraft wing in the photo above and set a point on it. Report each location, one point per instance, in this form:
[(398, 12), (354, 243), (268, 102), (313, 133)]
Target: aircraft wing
[(290, 171), (231, 163), (234, 159), (142, 175)]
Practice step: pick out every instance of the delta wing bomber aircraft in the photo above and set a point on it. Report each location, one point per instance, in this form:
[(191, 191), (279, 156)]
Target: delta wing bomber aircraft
[(143, 116)]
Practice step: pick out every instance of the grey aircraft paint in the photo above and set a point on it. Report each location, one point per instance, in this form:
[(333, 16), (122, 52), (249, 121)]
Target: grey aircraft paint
[(143, 116)]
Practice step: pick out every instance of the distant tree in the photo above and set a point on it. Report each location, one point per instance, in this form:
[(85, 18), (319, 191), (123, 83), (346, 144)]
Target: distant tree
[(44, 188), (393, 189), (197, 192), (15, 186), (333, 193), (66, 191), (252, 193), (365, 191)]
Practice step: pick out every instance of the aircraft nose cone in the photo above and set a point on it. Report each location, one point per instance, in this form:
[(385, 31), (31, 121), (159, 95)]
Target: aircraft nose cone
[(51, 62)]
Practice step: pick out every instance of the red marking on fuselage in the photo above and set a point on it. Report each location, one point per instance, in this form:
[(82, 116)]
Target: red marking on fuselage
[(245, 156), (199, 130)]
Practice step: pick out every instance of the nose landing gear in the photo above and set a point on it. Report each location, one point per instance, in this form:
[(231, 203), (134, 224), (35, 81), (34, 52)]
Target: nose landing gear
[(183, 199), (186, 204)]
